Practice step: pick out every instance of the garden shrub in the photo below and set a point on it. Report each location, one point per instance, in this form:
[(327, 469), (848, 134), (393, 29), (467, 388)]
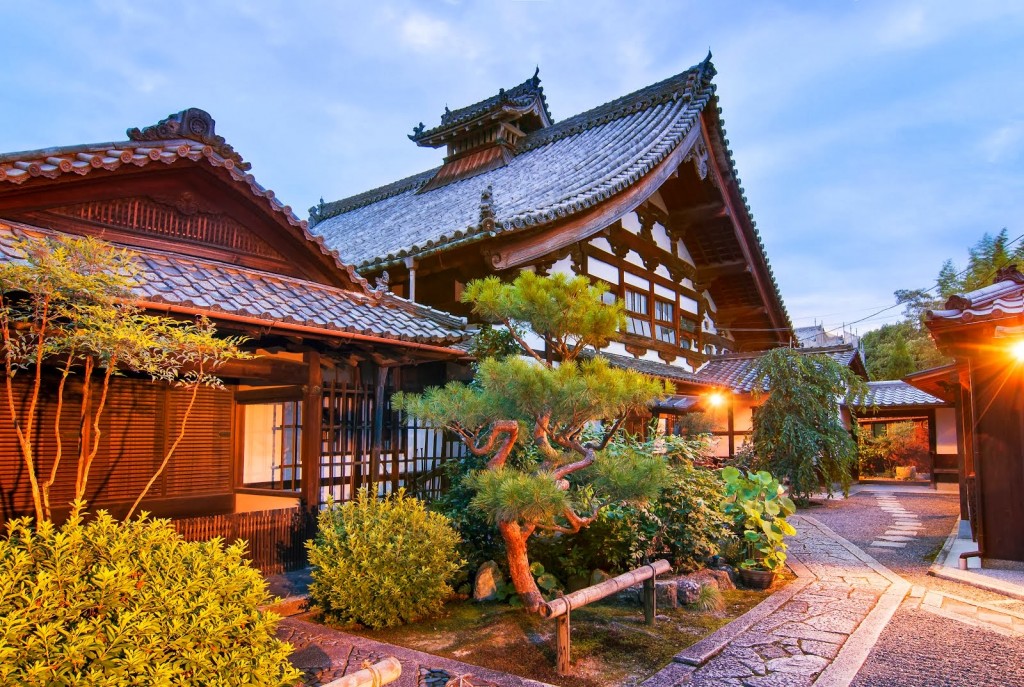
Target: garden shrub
[(684, 524), (381, 562), (104, 603)]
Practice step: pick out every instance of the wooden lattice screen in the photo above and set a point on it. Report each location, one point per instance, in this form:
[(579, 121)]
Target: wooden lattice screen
[(411, 454)]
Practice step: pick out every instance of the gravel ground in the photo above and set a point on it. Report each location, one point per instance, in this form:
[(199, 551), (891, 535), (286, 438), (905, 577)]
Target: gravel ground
[(918, 648)]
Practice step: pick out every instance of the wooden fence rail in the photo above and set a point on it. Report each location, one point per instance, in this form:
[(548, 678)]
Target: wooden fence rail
[(275, 538)]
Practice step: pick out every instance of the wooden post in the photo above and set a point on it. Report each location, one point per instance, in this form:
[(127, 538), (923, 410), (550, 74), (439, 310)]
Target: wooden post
[(312, 421), (650, 601), (378, 427), (562, 643)]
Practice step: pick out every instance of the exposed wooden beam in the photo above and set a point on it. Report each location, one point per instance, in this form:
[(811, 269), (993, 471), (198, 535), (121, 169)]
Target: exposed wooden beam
[(729, 315), (697, 214), (718, 270)]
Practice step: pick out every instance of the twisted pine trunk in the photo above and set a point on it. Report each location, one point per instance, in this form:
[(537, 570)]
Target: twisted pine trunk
[(519, 565)]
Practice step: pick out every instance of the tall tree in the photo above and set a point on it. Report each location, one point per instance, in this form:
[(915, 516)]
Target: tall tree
[(896, 350), (68, 304), (798, 431), (543, 402)]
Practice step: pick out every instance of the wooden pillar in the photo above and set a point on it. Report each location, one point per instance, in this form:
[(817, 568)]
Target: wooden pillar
[(731, 422), (562, 646), (650, 600), (378, 427), (312, 420)]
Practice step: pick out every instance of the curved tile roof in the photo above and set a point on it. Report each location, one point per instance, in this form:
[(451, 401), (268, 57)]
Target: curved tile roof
[(737, 371), (280, 301), (1002, 300), (896, 393), (145, 148), (558, 171)]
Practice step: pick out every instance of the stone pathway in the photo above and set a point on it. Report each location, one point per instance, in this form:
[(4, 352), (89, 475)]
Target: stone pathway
[(992, 616), (905, 526), (817, 631)]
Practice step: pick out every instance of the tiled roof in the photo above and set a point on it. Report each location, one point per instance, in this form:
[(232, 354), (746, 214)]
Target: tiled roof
[(217, 288), (1000, 301), (146, 147), (896, 393), (647, 367), (736, 371), (678, 403), (557, 171), (523, 94)]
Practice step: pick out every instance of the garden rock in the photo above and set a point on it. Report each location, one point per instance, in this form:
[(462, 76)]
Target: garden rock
[(687, 591), (716, 578), (665, 594), (598, 576), (488, 579)]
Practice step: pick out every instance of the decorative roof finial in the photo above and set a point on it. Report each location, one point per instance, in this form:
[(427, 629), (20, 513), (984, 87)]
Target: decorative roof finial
[(192, 124), (536, 76), (487, 209)]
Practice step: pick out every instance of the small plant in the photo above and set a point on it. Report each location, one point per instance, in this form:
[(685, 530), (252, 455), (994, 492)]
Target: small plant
[(759, 509), (109, 603), (709, 600), (549, 585), (381, 562)]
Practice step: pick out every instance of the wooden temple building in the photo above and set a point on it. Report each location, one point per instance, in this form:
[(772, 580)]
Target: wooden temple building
[(983, 331), (309, 416), (640, 193)]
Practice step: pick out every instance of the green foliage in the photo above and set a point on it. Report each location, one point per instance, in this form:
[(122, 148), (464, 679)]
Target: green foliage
[(798, 430), (758, 509), (896, 350), (109, 603), (70, 303), (478, 539), (540, 406), (381, 562), (683, 522), (900, 445), (709, 599), (494, 342)]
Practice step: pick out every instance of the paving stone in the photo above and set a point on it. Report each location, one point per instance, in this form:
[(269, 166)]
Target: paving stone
[(779, 680), (932, 599), (888, 544), (895, 537), (834, 622), (994, 618), (824, 649), (799, 631), (802, 665)]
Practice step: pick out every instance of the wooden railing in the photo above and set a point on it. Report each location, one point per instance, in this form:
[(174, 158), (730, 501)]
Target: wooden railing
[(275, 538)]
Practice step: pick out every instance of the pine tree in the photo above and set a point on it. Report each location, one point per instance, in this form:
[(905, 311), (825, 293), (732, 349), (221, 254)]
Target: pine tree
[(542, 403)]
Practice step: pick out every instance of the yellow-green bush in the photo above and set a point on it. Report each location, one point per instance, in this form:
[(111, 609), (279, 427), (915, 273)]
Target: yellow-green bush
[(381, 562), (111, 603)]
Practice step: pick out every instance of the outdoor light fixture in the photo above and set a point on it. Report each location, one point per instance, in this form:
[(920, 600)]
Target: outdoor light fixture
[(715, 399), (1017, 350)]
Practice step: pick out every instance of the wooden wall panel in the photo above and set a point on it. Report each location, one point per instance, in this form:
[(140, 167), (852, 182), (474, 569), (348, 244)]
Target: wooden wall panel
[(134, 428)]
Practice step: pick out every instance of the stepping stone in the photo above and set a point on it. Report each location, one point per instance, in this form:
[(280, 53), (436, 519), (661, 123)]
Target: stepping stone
[(900, 533), (895, 537), (889, 544)]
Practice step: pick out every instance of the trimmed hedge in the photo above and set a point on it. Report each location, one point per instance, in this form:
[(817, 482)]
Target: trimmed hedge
[(107, 603), (381, 562)]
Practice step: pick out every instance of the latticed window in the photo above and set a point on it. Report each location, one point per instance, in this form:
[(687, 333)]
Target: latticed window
[(664, 321), (637, 309)]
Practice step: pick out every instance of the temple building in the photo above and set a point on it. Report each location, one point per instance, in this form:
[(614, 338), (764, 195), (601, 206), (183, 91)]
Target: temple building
[(640, 194), (308, 417)]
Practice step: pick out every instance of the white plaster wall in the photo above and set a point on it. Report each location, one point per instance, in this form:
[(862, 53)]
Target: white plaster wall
[(631, 223), (688, 305), (633, 258), (945, 430), (661, 237), (601, 243), (563, 266), (602, 270)]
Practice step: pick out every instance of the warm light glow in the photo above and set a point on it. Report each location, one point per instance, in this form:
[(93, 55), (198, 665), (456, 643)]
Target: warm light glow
[(715, 399), (1017, 350)]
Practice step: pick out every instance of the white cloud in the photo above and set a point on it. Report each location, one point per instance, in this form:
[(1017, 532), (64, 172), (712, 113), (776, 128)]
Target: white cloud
[(1004, 144)]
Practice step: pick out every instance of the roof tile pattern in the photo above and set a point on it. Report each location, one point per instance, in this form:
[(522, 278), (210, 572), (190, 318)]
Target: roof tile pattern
[(737, 371), (213, 287), (1002, 300), (647, 367), (80, 160), (558, 171), (896, 393)]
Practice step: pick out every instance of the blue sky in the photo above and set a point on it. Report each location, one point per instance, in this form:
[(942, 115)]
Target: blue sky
[(873, 139)]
